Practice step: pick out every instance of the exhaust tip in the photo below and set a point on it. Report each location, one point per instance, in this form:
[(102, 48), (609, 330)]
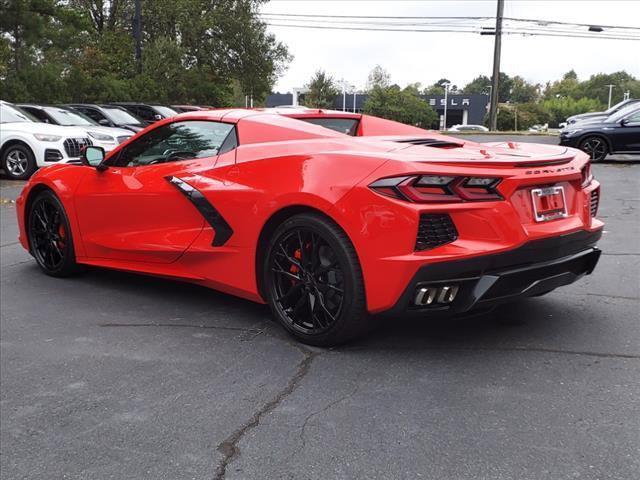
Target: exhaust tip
[(440, 295)]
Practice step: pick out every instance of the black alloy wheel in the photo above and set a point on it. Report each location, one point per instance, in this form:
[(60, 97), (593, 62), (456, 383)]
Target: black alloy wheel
[(595, 147), (314, 282), (50, 236)]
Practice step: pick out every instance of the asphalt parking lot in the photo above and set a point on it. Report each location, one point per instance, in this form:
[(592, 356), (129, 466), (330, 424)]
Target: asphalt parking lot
[(111, 376)]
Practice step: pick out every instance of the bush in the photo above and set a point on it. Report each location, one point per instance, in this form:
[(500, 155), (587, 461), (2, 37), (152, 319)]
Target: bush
[(559, 109)]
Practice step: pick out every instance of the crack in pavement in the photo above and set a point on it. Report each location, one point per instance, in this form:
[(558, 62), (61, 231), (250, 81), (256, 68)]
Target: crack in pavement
[(229, 447), (633, 356), (303, 429)]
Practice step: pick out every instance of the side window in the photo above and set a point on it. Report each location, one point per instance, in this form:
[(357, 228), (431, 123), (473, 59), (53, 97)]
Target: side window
[(178, 141), (145, 113), (92, 114), (634, 119), (39, 114)]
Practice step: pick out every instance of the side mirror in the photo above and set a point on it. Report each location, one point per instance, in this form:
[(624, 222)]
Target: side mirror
[(105, 122), (157, 117), (93, 157), (624, 121)]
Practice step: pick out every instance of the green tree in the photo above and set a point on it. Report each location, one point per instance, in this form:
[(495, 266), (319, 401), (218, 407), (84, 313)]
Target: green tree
[(83, 50), (439, 87), (560, 108), (322, 91), (378, 78), (523, 91), (482, 85), (401, 105)]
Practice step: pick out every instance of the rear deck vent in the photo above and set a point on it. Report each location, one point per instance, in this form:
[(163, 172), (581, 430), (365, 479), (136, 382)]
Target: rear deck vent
[(431, 142), (434, 230)]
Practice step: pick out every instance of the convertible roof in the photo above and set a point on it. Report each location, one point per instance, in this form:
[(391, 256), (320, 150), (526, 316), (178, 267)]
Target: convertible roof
[(259, 126)]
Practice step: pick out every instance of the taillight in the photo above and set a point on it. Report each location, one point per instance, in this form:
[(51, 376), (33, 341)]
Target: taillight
[(438, 188), (587, 176)]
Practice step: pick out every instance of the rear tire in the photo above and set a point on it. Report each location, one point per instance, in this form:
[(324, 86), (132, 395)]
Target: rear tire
[(596, 147), (50, 240), (18, 162), (313, 282)]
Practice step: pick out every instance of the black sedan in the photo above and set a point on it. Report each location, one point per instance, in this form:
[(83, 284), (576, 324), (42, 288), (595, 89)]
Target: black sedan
[(618, 133)]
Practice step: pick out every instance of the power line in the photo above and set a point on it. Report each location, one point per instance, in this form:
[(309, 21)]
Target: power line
[(467, 29), (392, 17)]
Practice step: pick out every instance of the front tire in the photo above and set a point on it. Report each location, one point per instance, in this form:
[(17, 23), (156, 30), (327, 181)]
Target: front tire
[(596, 147), (313, 282), (50, 240), (18, 162)]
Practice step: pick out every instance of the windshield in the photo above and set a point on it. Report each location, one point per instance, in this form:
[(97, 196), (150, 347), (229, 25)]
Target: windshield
[(616, 117), (121, 117), (617, 106), (68, 118), (9, 114), (166, 111)]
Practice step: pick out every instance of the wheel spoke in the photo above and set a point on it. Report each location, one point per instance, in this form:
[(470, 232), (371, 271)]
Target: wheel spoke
[(290, 259), (287, 274), (290, 294)]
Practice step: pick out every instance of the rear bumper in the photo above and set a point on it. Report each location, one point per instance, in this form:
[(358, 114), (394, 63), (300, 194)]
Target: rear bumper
[(534, 268)]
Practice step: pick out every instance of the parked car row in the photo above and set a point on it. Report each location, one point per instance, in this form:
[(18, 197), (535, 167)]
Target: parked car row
[(601, 133), (34, 135)]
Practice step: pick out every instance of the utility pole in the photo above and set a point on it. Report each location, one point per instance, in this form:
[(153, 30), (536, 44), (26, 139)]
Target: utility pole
[(446, 91), (493, 110), (137, 33), (610, 89)]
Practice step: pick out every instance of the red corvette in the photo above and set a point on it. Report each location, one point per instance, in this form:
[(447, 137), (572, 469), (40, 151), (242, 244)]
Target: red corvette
[(326, 228)]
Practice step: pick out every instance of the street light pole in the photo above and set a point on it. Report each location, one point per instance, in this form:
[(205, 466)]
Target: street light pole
[(493, 110), (446, 91), (610, 88)]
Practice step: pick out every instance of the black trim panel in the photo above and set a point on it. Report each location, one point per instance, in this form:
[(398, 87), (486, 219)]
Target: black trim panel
[(223, 230), (533, 268)]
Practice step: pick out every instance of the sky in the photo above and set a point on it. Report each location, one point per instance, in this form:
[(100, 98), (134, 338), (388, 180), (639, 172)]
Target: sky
[(427, 57)]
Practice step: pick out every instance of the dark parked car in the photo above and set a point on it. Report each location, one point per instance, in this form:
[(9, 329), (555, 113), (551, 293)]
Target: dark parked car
[(601, 115), (109, 116), (148, 113), (187, 108), (618, 133)]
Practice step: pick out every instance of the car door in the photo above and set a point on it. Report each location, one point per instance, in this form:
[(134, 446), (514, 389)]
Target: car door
[(135, 210), (626, 135)]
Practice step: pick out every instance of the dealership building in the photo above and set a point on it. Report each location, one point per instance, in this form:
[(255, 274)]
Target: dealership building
[(461, 109)]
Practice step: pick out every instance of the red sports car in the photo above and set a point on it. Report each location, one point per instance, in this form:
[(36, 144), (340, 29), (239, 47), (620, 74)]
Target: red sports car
[(330, 230)]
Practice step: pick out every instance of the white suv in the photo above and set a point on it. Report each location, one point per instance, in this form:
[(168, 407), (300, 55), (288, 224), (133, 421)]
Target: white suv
[(105, 137), (26, 144)]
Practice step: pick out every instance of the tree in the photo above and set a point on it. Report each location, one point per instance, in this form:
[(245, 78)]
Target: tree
[(482, 85), (378, 77), (523, 91), (322, 91), (479, 85), (439, 87), (193, 51), (401, 105), (561, 108)]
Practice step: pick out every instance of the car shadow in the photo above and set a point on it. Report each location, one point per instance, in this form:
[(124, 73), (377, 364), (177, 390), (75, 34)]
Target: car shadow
[(508, 327)]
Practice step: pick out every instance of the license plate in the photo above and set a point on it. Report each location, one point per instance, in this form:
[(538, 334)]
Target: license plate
[(548, 203)]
